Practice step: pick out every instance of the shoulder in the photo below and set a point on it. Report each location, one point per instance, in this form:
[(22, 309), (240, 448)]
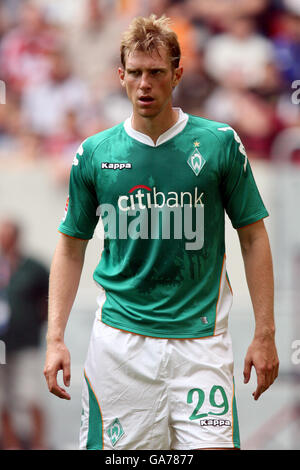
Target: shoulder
[(220, 131), (84, 154), (91, 143)]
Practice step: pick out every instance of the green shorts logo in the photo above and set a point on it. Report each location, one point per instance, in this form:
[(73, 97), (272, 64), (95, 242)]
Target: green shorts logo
[(115, 431)]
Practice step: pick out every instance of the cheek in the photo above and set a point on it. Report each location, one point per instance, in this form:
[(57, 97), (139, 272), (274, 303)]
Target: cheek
[(167, 88), (130, 86)]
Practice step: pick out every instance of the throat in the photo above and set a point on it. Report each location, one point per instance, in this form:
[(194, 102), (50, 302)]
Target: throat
[(155, 126)]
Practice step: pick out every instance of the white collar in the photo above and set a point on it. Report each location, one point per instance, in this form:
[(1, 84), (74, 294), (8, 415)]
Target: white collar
[(169, 134)]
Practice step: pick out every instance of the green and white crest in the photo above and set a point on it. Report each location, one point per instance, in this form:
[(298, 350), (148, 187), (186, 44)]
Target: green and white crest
[(196, 160), (115, 431)]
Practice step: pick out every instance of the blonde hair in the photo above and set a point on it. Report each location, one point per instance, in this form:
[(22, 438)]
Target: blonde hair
[(147, 35)]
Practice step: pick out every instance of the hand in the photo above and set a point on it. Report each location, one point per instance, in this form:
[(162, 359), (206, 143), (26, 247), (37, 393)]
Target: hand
[(261, 354), (57, 358)]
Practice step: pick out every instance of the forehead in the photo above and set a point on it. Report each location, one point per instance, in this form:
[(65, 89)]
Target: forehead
[(142, 59)]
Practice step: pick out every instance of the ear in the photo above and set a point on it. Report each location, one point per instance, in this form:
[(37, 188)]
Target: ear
[(121, 73), (177, 76)]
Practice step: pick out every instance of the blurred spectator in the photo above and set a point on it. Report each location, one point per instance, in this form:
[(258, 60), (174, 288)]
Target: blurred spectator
[(62, 146), (287, 46), (9, 124), (214, 12), (94, 15), (239, 51), (196, 86), (130, 8), (45, 106), (186, 32), (292, 6), (23, 294), (12, 9), (24, 50), (252, 117), (160, 7), (112, 105), (4, 21), (236, 56)]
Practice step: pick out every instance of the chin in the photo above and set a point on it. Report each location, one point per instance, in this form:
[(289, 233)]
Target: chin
[(147, 113)]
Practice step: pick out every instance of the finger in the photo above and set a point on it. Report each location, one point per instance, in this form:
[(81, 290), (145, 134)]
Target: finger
[(53, 386), (58, 391), (247, 370), (66, 374), (270, 377), (271, 374), (261, 385), (275, 372)]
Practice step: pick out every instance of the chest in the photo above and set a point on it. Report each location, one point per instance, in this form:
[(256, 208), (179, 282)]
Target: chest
[(178, 172)]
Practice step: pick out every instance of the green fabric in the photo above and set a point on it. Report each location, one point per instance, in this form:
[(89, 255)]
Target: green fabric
[(95, 431), (235, 422), (157, 286)]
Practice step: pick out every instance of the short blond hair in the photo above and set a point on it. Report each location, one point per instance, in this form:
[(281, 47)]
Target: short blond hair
[(148, 35)]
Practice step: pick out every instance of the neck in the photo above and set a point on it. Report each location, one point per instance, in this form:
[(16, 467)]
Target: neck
[(155, 126)]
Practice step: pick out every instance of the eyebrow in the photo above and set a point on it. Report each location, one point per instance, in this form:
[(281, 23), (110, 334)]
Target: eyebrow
[(134, 69)]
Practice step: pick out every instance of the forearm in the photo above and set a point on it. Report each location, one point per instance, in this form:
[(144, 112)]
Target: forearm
[(64, 280), (259, 274), (262, 353)]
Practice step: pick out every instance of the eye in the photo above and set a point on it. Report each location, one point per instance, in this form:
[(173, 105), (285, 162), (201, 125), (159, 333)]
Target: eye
[(156, 72), (133, 73)]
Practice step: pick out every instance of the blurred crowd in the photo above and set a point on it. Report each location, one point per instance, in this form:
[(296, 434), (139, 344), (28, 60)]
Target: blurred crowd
[(59, 63), (59, 84)]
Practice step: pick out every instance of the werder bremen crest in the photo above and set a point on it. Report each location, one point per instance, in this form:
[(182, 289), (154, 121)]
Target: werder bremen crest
[(196, 160), (115, 431)]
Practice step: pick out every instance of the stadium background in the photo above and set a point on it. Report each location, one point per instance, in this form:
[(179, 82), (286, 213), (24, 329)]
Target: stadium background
[(58, 61)]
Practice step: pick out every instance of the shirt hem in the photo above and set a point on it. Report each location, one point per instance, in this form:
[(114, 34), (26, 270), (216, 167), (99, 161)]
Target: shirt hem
[(251, 220), (162, 334), (71, 234)]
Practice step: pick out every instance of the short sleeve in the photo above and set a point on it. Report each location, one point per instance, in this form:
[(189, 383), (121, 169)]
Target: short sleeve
[(241, 198), (80, 217)]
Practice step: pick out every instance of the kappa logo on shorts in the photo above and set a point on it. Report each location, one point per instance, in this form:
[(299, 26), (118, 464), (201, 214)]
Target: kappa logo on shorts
[(115, 431), (215, 422)]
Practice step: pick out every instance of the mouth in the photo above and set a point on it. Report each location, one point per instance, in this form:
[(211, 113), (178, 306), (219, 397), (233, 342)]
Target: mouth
[(146, 99)]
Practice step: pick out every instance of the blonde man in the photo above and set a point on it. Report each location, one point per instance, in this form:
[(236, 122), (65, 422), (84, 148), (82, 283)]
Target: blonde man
[(159, 369)]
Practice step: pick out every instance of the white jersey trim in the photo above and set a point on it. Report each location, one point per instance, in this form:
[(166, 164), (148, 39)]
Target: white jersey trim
[(224, 302), (169, 134)]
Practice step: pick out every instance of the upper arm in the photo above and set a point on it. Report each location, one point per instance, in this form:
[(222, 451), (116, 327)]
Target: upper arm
[(241, 198), (71, 247), (81, 212), (251, 233)]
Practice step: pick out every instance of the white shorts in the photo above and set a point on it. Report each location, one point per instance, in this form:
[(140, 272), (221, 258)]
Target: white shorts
[(150, 393)]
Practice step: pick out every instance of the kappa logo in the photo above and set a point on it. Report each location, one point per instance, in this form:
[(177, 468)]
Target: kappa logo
[(215, 422), (116, 166), (196, 160), (115, 431)]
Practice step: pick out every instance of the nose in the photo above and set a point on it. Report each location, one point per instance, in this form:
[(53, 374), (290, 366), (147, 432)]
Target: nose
[(145, 83)]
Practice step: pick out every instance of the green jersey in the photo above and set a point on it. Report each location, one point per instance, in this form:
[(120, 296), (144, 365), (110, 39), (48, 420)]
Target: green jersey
[(163, 265)]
